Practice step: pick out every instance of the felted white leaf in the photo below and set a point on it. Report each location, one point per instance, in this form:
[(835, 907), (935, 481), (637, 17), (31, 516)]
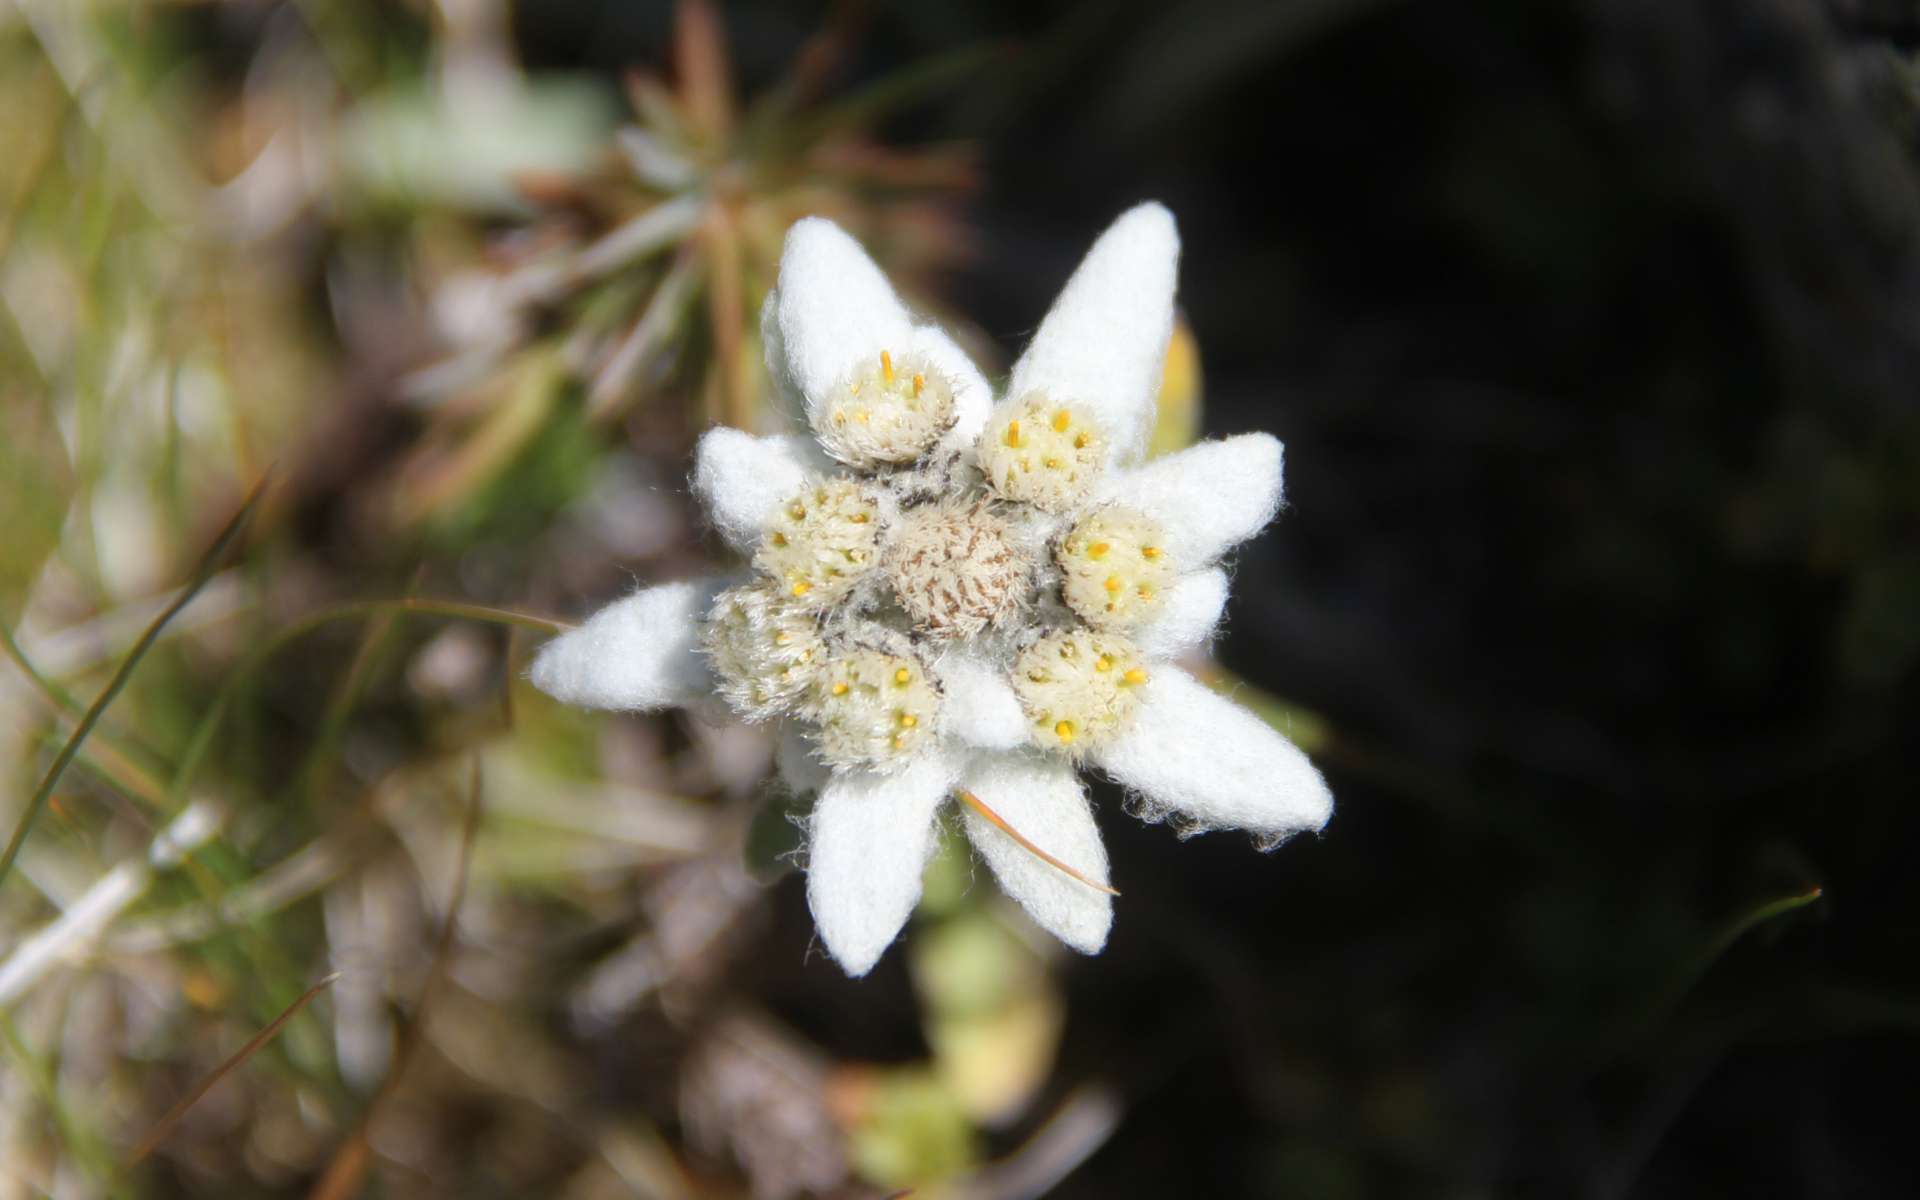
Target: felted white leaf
[(1199, 755)]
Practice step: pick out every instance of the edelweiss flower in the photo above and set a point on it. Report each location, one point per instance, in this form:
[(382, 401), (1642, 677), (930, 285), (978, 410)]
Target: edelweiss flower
[(955, 597)]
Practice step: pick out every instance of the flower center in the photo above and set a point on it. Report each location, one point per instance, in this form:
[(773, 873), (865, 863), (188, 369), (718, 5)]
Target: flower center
[(1078, 687), (1044, 454), (954, 569), (1114, 568), (763, 647), (886, 413), (872, 708), (821, 541)]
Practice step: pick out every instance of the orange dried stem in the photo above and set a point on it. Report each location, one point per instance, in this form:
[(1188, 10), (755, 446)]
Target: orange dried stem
[(980, 806)]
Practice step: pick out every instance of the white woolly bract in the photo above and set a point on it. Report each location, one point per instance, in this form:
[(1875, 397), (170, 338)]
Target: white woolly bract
[(1205, 761), (1189, 616), (741, 479), (833, 308), (889, 411), (821, 540), (1114, 568), (1103, 343), (638, 653), (977, 705), (955, 570), (1042, 451), (1047, 804), (1209, 497), (763, 647), (1078, 688), (868, 841), (872, 708)]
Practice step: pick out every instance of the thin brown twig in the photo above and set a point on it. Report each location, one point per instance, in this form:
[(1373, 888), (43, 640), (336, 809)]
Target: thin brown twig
[(166, 1124), (978, 805)]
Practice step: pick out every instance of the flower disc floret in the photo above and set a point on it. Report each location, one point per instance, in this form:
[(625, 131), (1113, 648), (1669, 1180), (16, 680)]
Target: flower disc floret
[(763, 647), (1042, 453), (1079, 687), (955, 569), (886, 413), (1114, 569), (872, 708), (821, 541)]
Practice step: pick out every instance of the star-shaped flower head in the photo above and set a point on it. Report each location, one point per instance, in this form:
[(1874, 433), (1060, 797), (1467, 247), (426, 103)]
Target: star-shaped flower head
[(950, 596)]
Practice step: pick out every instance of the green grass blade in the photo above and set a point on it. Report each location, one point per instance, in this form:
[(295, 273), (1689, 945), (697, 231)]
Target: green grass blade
[(203, 571)]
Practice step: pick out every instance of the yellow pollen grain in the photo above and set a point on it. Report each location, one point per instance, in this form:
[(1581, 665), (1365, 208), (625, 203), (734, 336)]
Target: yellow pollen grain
[(1080, 442), (1013, 434), (1098, 550), (802, 588), (1053, 464), (908, 720), (840, 689), (779, 539), (797, 510), (919, 382), (1135, 676), (1149, 552), (1061, 420), (902, 676), (886, 365), (899, 741), (1113, 583), (1103, 664), (1064, 731)]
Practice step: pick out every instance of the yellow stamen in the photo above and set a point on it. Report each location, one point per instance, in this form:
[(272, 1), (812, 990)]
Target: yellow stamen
[(1064, 731), (779, 539), (902, 675), (1013, 434), (1149, 552), (908, 720), (802, 588), (1103, 664), (840, 689), (1098, 550), (1135, 676), (886, 365), (1080, 442), (860, 415), (919, 382), (1113, 583), (797, 510), (1061, 420)]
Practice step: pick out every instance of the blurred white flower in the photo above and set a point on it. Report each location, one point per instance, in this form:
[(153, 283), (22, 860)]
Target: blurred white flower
[(953, 597)]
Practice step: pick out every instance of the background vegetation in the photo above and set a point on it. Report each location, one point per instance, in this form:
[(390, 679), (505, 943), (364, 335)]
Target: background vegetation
[(345, 346)]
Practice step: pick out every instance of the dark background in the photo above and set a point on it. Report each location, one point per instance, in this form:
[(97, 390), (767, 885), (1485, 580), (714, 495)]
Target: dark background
[(1591, 330)]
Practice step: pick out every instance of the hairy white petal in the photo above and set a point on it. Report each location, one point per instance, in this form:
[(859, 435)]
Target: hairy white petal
[(638, 653), (978, 705), (836, 310), (1210, 497), (1043, 800), (1218, 766), (972, 396), (871, 836), (742, 479), (1104, 342), (1187, 619), (800, 769)]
